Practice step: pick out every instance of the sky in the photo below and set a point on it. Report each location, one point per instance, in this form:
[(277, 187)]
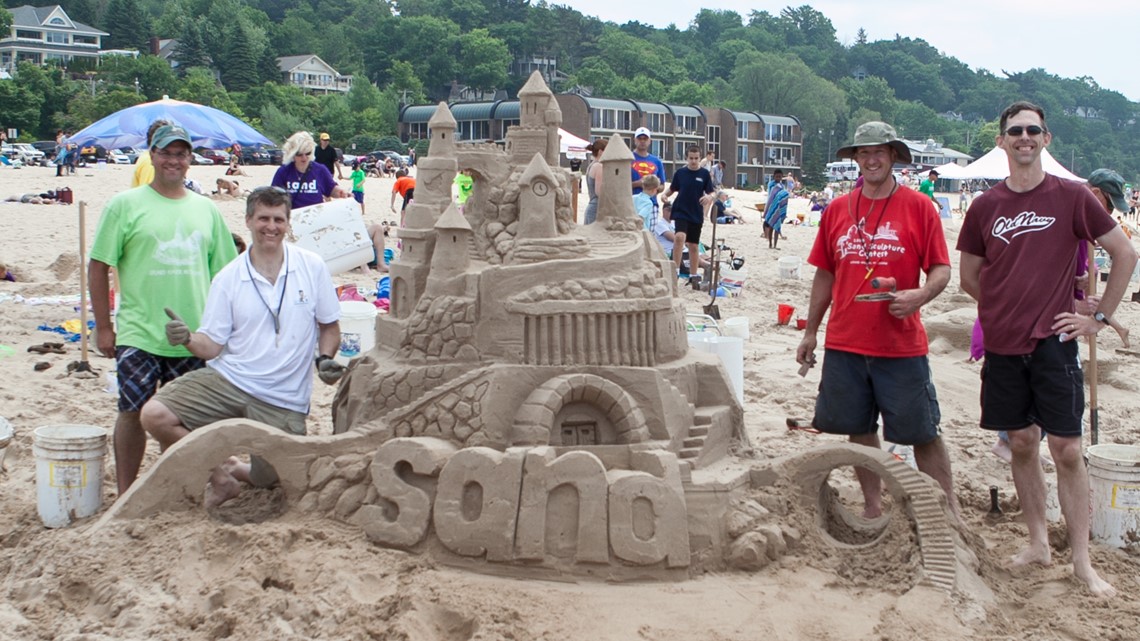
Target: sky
[(1066, 39)]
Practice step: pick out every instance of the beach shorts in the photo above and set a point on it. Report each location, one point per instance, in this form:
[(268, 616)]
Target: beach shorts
[(408, 196), (691, 230), (855, 390), (204, 396), (1043, 388), (358, 196), (142, 373)]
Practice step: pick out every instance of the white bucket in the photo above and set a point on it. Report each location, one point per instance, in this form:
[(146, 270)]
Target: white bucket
[(6, 434), (790, 267), (357, 329), (733, 278), (1114, 481), (736, 326), (730, 349), (335, 231), (69, 472)]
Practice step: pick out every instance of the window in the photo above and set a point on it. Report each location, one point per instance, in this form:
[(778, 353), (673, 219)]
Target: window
[(687, 125), (679, 150), (29, 35), (712, 134), (85, 40), (779, 133), (742, 154), (655, 122), (657, 148), (56, 38), (418, 130), (473, 130), (741, 180), (742, 130), (57, 21)]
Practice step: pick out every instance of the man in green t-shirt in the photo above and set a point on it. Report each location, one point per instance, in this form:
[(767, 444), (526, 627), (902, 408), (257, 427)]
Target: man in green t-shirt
[(166, 244), (927, 186)]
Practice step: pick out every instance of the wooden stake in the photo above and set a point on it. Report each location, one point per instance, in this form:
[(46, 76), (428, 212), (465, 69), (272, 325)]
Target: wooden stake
[(1094, 410)]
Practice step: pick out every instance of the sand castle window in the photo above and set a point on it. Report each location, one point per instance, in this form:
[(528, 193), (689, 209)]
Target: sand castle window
[(579, 433)]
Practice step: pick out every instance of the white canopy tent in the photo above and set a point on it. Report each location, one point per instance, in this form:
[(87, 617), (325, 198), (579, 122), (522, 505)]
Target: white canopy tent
[(570, 145), (995, 166)]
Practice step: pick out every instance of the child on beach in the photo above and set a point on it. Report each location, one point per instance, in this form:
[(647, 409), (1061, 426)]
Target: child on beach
[(358, 177)]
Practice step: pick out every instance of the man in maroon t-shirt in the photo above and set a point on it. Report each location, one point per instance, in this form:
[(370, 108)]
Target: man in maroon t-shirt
[(1019, 257)]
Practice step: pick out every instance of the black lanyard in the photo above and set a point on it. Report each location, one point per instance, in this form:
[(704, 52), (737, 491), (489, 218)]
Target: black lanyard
[(276, 316), (867, 245)]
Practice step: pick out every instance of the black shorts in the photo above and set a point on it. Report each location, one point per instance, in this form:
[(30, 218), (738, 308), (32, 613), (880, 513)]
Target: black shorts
[(855, 390), (1045, 388), (408, 196), (142, 373), (691, 230)]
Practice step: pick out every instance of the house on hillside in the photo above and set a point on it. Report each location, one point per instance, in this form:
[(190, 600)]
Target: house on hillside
[(46, 34), (311, 73)]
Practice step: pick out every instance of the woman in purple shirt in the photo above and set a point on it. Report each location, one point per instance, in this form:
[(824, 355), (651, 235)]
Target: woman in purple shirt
[(307, 182)]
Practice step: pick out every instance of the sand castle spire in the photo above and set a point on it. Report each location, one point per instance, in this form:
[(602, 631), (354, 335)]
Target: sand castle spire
[(615, 201), (442, 127), (537, 193)]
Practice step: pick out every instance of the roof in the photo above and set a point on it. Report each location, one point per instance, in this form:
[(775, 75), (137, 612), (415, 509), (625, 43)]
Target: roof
[(651, 107), (289, 63), (506, 110), (779, 120), (682, 110), (418, 113), (745, 116), (29, 16), (472, 110), (609, 103)]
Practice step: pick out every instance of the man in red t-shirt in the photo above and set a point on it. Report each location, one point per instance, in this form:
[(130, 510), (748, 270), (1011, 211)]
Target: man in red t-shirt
[(1019, 248), (875, 356)]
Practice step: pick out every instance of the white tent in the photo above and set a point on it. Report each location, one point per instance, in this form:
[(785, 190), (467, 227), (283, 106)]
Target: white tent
[(995, 166), (571, 145)]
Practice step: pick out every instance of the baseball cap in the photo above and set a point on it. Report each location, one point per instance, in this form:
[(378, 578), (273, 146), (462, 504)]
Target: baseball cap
[(324, 136), (167, 134), (642, 131), (874, 133), (1112, 184)]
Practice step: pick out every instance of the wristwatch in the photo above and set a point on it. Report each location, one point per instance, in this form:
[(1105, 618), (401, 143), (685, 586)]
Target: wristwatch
[(1101, 318)]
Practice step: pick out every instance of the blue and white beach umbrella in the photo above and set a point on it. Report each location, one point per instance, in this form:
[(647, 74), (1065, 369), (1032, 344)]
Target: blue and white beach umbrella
[(207, 126)]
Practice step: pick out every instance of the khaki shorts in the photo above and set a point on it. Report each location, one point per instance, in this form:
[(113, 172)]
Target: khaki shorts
[(204, 396)]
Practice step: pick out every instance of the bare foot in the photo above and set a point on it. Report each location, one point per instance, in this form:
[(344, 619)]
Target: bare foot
[(1099, 586), (1002, 451), (871, 513), (222, 486), (1034, 554)]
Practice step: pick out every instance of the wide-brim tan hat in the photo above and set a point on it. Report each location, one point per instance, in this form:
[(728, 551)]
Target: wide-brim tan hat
[(870, 134)]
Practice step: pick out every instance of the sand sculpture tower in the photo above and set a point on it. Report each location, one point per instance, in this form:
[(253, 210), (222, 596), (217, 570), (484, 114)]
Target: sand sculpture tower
[(537, 187), (615, 207), (433, 193), (539, 117), (450, 260)]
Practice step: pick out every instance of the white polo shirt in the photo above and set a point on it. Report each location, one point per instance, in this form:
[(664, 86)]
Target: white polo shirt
[(270, 361)]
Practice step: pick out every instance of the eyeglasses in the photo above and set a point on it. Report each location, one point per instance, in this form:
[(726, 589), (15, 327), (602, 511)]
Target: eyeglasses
[(305, 154), (1017, 130), (175, 155)]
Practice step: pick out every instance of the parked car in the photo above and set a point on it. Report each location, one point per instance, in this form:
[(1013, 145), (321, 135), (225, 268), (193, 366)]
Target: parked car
[(46, 146), (219, 156), (199, 159), (131, 153), (251, 156), (381, 154), (117, 157), (27, 153), (276, 156)]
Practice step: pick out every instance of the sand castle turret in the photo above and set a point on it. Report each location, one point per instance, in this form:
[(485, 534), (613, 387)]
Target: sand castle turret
[(615, 204), (539, 114), (537, 195), (434, 175), (450, 260)]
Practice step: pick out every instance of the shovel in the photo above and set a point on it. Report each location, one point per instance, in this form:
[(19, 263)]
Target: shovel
[(82, 368), (713, 273)]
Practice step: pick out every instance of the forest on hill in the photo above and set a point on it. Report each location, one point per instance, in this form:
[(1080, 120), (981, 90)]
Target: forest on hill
[(788, 62)]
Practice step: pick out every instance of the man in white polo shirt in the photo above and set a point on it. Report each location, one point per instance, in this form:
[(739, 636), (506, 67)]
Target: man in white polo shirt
[(265, 314)]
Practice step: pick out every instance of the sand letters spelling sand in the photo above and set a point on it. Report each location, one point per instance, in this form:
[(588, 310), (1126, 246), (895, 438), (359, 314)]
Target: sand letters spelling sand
[(192, 576)]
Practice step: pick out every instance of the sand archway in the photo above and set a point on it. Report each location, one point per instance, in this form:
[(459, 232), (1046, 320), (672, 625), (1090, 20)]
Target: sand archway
[(620, 420)]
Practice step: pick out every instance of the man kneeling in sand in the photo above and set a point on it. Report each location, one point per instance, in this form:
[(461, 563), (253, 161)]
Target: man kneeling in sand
[(265, 313)]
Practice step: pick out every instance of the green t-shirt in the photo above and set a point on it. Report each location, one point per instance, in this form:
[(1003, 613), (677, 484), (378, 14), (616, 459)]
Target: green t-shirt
[(358, 180), (927, 187), (166, 253), (466, 184)]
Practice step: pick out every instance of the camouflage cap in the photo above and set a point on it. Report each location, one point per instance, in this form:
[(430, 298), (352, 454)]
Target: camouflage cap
[(874, 133), (1112, 184)]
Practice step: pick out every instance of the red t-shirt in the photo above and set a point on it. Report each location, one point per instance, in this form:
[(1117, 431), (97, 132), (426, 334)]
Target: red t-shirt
[(907, 240), (1029, 242), (403, 184)]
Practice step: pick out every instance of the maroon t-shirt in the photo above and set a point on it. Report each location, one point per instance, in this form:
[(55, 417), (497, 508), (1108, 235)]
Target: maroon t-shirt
[(1029, 242)]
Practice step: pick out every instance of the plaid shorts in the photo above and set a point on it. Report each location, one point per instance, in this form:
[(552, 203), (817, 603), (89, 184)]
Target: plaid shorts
[(142, 373)]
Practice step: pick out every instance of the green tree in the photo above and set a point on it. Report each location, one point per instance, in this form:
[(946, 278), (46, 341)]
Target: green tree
[(52, 85), (688, 92), (201, 87), (406, 83), (485, 59), (128, 25), (238, 60), (155, 77), (5, 21), (191, 50), (19, 108), (428, 43)]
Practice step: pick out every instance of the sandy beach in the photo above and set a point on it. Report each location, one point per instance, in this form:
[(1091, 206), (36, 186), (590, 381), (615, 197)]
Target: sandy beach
[(189, 576)]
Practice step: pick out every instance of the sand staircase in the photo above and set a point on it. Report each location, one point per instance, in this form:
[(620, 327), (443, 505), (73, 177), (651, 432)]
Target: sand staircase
[(697, 447)]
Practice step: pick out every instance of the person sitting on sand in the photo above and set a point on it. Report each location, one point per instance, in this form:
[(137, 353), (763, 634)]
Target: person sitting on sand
[(229, 188), (265, 314), (235, 169), (724, 214), (5, 274)]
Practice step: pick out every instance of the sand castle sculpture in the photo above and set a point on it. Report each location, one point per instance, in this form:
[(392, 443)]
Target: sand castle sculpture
[(531, 403)]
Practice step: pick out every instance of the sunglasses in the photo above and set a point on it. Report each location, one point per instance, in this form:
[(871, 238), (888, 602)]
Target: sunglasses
[(1017, 130), (303, 155)]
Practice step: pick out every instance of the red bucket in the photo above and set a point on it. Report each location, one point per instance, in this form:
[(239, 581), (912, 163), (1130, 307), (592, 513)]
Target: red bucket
[(784, 313)]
